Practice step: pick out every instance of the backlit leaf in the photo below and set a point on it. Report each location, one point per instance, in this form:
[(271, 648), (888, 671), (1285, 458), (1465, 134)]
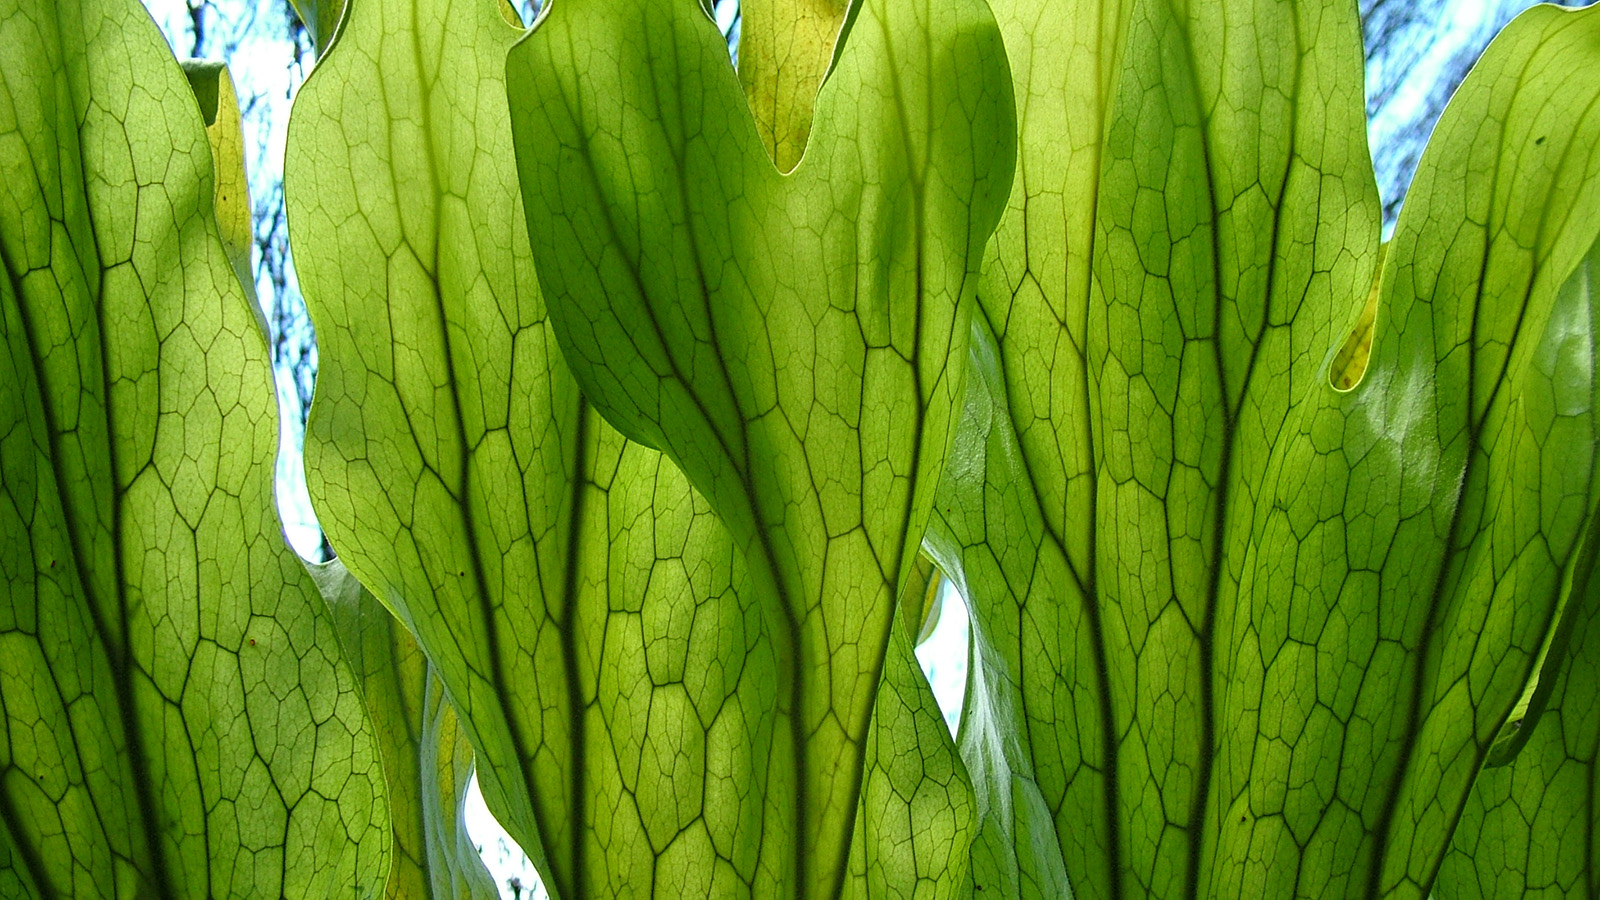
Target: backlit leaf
[(584, 608), (425, 756), (1532, 828), (784, 50), (321, 19), (178, 719), (793, 342), (1265, 632), (219, 108)]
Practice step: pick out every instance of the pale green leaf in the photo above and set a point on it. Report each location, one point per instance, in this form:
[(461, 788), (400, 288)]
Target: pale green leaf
[(426, 758), (178, 719), (1433, 515), (440, 445), (455, 865), (922, 600), (1017, 853), (510, 14), (219, 108), (793, 342), (1128, 289), (1265, 632), (917, 818), (584, 608)]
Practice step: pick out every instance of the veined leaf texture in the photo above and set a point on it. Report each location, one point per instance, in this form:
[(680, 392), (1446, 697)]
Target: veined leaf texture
[(654, 395)]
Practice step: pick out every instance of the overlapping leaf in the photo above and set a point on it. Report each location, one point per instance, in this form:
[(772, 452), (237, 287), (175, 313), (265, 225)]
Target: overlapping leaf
[(219, 108), (1155, 275), (425, 755), (1263, 631), (917, 817), (417, 475), (583, 606), (793, 342), (1017, 853), (1532, 828), (179, 721), (321, 19), (784, 52), (1462, 468)]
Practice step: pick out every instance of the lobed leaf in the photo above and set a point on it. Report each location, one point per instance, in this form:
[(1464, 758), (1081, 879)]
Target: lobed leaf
[(1262, 630), (916, 818), (437, 405), (585, 610), (793, 342)]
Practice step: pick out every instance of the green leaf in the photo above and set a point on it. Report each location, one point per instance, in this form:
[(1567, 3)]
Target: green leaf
[(455, 867), (1265, 632), (793, 342), (321, 19), (921, 602), (1441, 505), (916, 818), (1017, 852), (425, 755), (443, 436), (784, 51), (1532, 829), (1143, 289), (179, 721), (585, 609), (219, 107)]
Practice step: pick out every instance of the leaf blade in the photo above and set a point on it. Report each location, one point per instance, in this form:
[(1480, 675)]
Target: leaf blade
[(694, 291), (182, 722), (1479, 380), (425, 756)]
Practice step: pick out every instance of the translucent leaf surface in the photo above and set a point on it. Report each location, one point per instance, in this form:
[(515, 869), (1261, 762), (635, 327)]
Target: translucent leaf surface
[(793, 342), (1017, 852), (219, 108), (784, 50), (1532, 828), (321, 19), (1264, 632), (585, 609), (917, 819), (426, 758), (178, 719)]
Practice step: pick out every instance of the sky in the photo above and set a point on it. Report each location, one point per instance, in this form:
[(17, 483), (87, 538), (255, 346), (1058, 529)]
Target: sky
[(1417, 53)]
